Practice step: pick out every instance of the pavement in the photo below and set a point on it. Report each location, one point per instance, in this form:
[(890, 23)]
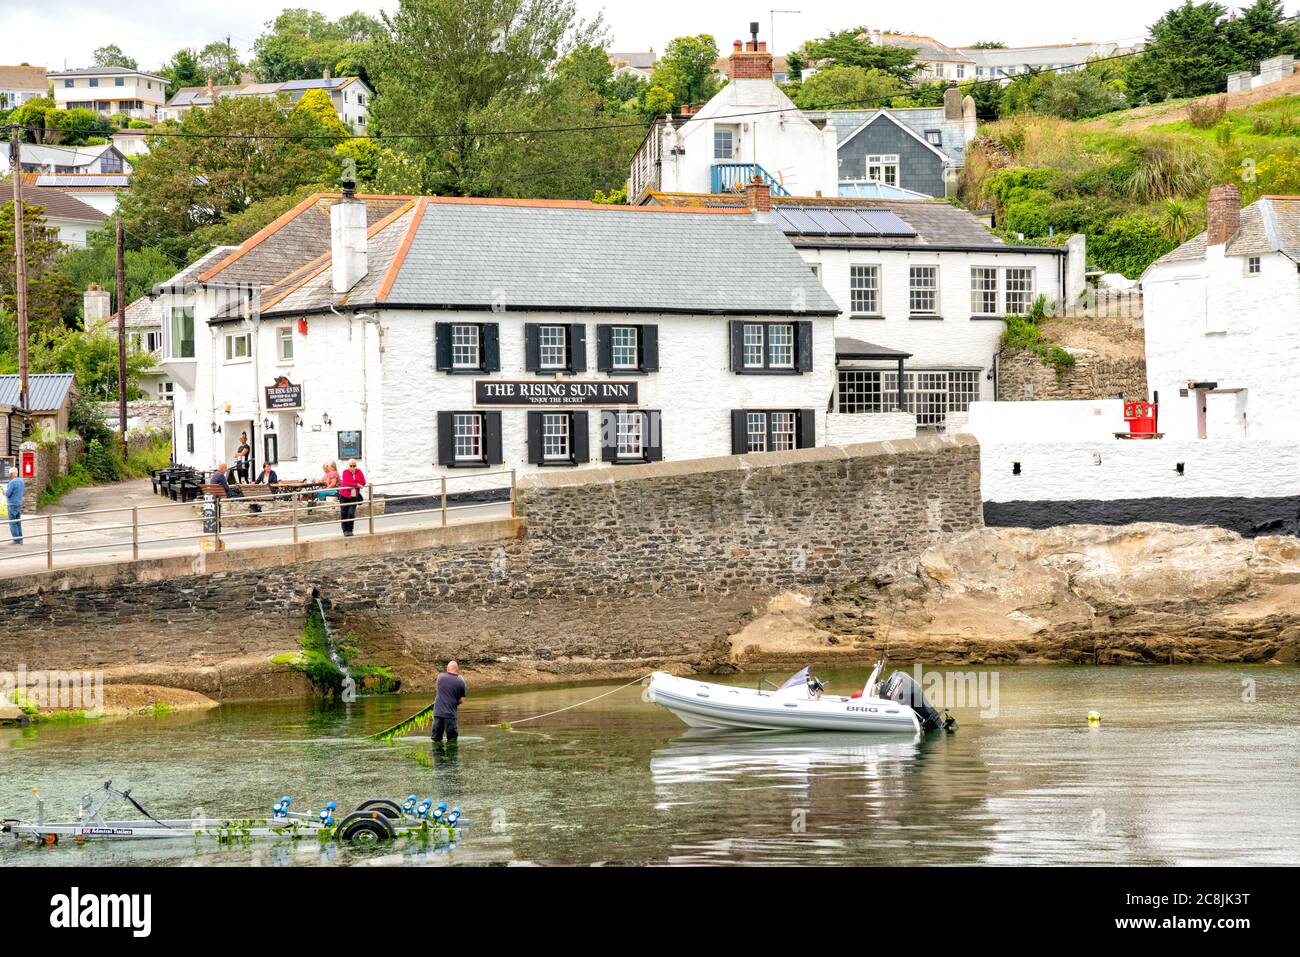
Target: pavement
[(92, 526)]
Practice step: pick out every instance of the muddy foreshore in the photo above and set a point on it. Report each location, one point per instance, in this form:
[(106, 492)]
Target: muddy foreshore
[(1147, 593)]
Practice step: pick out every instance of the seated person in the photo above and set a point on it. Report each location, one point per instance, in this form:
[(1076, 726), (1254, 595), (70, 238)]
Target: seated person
[(219, 480), (331, 482)]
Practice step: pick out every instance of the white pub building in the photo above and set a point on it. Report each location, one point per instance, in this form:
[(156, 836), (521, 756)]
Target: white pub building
[(429, 336)]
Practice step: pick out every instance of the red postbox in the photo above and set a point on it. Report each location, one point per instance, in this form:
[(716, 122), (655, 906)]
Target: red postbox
[(1141, 418), (27, 464)]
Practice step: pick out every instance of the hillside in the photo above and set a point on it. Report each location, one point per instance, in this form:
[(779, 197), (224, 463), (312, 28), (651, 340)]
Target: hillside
[(1134, 182)]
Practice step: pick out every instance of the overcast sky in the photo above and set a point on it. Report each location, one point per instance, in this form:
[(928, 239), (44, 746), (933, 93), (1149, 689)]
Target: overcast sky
[(54, 32)]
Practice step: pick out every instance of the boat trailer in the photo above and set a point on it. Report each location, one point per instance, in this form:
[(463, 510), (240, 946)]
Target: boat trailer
[(373, 821)]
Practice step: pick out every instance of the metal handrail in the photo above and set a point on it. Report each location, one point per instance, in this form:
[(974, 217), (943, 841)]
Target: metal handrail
[(295, 496)]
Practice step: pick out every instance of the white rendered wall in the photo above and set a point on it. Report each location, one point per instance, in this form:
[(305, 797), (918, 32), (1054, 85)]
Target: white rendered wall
[(955, 341), (1208, 321), (695, 390), (850, 429), (785, 144)]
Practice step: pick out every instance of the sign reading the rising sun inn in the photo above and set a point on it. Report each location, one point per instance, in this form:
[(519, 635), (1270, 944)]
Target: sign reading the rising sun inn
[(553, 392)]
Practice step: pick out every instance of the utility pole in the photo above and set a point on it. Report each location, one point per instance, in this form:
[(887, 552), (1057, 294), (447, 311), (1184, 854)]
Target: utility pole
[(20, 261), (121, 332)]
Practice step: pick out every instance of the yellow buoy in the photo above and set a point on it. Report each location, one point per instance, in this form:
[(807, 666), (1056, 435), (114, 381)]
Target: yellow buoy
[(1094, 717)]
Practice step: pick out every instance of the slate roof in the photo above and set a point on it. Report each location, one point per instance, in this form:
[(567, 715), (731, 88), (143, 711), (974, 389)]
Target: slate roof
[(938, 223), (928, 48), (58, 204), (1271, 224), (572, 256), (45, 393), (191, 272), (850, 348), (106, 71), (34, 153), (199, 96), (291, 242)]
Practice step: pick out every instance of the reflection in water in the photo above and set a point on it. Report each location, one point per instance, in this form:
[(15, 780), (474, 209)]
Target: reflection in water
[(1181, 770)]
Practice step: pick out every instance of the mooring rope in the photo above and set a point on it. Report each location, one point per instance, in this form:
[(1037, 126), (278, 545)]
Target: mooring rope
[(634, 681)]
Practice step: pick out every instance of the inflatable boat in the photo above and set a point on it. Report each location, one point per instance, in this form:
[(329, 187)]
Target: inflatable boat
[(800, 704)]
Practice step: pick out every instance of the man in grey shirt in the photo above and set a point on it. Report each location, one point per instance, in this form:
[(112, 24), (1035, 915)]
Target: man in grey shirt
[(451, 691)]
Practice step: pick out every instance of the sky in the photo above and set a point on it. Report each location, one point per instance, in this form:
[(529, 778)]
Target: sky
[(53, 33)]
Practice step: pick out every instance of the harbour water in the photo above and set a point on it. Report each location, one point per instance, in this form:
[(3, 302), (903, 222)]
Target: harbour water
[(1188, 765)]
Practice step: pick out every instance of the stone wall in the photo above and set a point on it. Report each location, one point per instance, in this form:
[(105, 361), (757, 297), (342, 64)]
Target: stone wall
[(646, 564), (1023, 377), (157, 415)]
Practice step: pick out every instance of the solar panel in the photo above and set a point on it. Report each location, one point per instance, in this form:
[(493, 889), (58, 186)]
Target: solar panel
[(886, 222), (858, 225), (796, 221), (828, 223)]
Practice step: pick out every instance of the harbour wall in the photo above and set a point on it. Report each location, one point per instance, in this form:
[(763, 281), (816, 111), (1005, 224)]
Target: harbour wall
[(603, 569)]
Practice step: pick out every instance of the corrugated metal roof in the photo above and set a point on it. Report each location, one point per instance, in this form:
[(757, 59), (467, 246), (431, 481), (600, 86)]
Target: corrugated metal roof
[(46, 392)]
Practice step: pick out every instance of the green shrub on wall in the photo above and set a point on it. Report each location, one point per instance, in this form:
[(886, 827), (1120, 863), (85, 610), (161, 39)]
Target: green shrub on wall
[(1130, 244)]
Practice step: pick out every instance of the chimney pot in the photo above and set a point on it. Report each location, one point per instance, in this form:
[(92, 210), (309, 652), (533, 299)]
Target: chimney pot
[(1222, 214)]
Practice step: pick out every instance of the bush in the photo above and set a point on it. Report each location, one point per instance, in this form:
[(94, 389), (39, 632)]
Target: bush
[(1203, 114), (1130, 244), (101, 463)]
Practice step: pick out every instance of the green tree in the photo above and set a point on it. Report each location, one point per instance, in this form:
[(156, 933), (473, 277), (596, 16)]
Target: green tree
[(449, 69), (49, 294), (75, 127), (239, 151), (220, 61), (92, 357), (183, 69), (31, 117), (988, 45), (112, 55), (852, 48), (96, 263), (317, 113), (1072, 96), (686, 69), (301, 44), (1186, 54), (848, 87)]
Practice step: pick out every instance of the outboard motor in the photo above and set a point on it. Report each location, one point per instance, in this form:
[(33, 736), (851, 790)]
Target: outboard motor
[(901, 687)]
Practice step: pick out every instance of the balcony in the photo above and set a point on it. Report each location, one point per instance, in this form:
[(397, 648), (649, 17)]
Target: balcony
[(734, 177)]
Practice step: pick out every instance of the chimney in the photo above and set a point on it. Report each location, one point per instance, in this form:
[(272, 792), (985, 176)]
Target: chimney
[(952, 106), (349, 246), (326, 74), (758, 196), (97, 305), (750, 60), (1222, 214), (211, 90)]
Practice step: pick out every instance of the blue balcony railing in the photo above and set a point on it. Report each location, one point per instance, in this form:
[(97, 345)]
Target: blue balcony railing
[(734, 177)]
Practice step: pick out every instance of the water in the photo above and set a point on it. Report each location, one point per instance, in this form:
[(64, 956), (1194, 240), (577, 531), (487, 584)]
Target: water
[(1181, 770)]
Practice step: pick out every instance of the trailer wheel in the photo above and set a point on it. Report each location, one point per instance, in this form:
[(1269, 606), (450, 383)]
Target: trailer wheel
[(389, 809), (365, 827)]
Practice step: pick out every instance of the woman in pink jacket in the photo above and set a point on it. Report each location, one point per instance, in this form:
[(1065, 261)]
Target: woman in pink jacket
[(351, 483)]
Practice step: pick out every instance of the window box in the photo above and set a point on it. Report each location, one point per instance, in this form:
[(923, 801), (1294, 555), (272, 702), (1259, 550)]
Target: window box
[(469, 439), (627, 349), (467, 347), (772, 430), (555, 347), (558, 438), (771, 348), (629, 436)]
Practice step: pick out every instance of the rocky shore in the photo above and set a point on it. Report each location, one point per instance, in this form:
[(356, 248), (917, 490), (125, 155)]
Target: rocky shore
[(1136, 594)]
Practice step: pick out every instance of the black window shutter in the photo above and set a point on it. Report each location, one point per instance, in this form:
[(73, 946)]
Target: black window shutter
[(654, 442), (491, 347), (446, 439), (578, 442), (649, 348), (577, 347), (532, 348), (608, 436), (442, 346), (189, 437), (807, 428), (535, 438), (737, 346), (804, 346), (739, 432), (604, 349), (492, 438)]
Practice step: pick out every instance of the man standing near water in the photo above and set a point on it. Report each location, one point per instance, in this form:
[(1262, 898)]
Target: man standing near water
[(451, 691)]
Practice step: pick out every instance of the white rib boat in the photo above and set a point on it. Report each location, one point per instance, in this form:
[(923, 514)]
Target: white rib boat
[(800, 704)]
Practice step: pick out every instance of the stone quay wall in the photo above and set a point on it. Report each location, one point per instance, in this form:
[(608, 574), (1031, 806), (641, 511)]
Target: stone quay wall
[(646, 564), (1023, 377)]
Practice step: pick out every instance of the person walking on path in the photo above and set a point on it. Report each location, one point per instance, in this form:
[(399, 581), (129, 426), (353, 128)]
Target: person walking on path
[(15, 488), (351, 483), (450, 692)]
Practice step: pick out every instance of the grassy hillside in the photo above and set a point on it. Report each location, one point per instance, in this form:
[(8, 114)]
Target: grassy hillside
[(1133, 182)]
